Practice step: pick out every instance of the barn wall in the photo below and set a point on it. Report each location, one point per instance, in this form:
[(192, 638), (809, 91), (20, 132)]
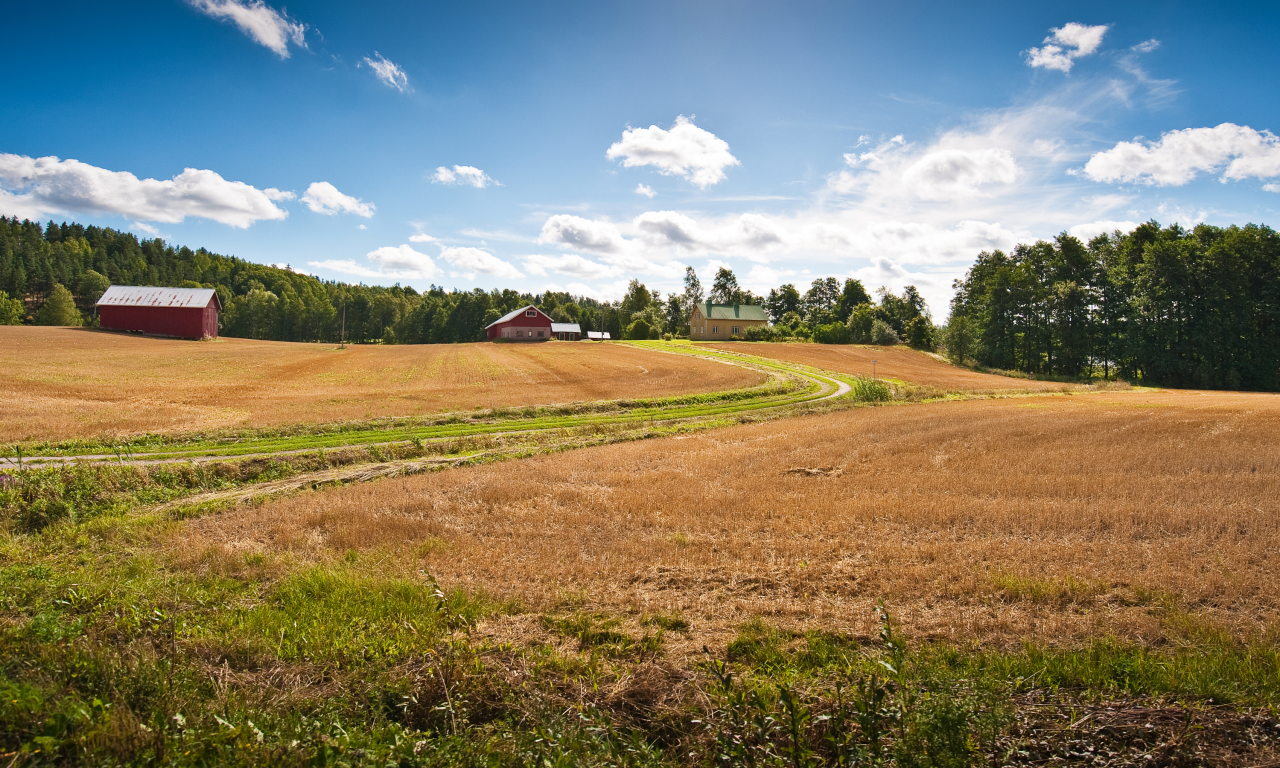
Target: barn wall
[(162, 321)]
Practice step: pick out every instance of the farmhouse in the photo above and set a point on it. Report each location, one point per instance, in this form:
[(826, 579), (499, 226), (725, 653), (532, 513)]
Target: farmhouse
[(190, 313), (718, 322), (527, 323)]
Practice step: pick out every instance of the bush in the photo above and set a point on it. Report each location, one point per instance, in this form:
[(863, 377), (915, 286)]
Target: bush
[(859, 323), (760, 333), (883, 334), (920, 333), (832, 333), (11, 310), (637, 330), (59, 309)]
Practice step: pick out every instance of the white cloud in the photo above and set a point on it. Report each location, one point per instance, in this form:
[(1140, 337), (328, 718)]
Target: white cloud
[(568, 264), (1065, 45), (274, 194), (1179, 156), (953, 173), (1147, 46), (581, 234), (462, 174), (323, 197), (472, 260), (403, 261), (349, 267), (146, 228), (1272, 187), (420, 238), (646, 190), (259, 21), (388, 72), (686, 150), (32, 187), (1087, 232), (291, 268)]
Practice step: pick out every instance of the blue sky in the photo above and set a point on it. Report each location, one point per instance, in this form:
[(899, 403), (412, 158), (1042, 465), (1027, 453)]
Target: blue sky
[(584, 144)]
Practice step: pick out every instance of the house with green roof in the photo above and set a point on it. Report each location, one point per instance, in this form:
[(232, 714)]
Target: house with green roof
[(721, 322)]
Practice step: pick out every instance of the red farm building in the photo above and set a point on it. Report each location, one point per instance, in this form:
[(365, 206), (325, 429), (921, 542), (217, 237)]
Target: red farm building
[(527, 323), (190, 313)]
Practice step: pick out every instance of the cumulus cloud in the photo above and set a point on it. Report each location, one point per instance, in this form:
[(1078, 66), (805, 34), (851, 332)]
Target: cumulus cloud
[(1066, 44), (462, 174), (264, 24), (33, 187), (686, 151), (472, 260), (1272, 187), (323, 197), (421, 238), (1179, 156), (568, 264), (581, 234), (387, 71), (646, 190), (953, 173), (403, 261)]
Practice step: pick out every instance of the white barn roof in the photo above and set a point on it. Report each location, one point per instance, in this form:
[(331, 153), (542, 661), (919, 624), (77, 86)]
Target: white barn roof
[(143, 296), (566, 328)]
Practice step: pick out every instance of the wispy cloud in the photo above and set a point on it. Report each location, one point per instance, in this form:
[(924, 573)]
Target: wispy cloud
[(462, 174), (262, 23), (387, 71), (1066, 44)]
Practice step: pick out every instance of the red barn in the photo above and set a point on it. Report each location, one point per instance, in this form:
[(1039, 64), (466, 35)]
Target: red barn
[(524, 324), (186, 312)]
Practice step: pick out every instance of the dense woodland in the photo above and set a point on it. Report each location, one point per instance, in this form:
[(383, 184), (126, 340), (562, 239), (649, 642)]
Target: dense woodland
[(1171, 306)]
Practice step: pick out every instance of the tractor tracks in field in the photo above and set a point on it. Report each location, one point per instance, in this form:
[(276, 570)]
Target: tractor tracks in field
[(604, 415)]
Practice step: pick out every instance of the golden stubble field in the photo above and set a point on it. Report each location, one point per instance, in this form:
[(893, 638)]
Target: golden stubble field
[(1048, 518), (62, 383), (902, 363)]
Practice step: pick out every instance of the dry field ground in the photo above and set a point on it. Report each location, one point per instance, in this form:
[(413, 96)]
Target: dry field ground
[(64, 383), (901, 363), (1056, 519)]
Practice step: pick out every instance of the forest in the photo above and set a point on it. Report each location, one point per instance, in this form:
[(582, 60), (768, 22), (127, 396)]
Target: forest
[(53, 274), (1167, 306)]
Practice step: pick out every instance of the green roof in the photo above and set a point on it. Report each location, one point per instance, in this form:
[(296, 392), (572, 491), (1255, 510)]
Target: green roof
[(733, 312)]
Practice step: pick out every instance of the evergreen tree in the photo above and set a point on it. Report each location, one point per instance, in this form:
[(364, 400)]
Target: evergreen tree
[(59, 308)]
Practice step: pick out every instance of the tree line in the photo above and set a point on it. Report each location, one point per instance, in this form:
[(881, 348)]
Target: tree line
[(1166, 306), (54, 274)]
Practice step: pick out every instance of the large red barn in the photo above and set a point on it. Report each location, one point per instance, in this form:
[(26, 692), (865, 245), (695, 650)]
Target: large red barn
[(527, 323), (185, 312)]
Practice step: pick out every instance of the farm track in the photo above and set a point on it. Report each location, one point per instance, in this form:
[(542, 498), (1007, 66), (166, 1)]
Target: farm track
[(818, 385)]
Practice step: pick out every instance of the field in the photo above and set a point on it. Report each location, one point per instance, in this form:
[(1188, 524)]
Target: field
[(1049, 520), (1074, 574), (901, 363), (65, 383)]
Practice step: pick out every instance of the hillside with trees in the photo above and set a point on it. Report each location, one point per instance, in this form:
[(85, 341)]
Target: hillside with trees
[(1166, 306)]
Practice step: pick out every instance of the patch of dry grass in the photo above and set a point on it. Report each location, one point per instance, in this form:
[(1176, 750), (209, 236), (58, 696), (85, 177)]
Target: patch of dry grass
[(1145, 515), (901, 363), (62, 383)]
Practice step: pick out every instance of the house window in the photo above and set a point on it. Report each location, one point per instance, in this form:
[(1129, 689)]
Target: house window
[(531, 313), (715, 329), (539, 334), (736, 330), (519, 333)]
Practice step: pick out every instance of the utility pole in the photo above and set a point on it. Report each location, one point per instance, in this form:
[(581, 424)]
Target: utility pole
[(343, 344), (873, 369)]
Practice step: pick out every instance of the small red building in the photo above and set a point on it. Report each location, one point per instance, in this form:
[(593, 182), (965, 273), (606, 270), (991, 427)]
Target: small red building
[(190, 313), (527, 323)]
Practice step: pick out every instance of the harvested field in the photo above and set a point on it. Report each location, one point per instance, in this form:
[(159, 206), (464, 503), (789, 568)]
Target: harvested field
[(65, 383), (1055, 519), (901, 363)]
